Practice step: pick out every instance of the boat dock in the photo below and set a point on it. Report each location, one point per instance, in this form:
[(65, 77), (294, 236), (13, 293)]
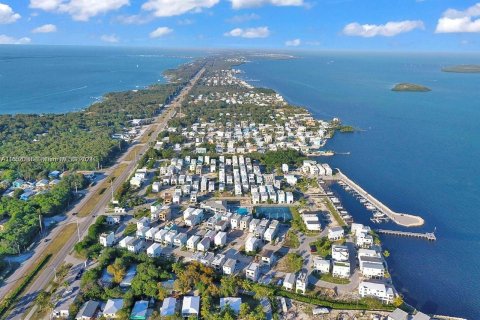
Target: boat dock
[(403, 219), (430, 236)]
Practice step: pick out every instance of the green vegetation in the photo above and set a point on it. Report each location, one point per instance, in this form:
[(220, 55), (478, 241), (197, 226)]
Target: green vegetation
[(410, 87), (329, 278), (293, 262), (334, 212), (130, 229), (274, 159), (7, 302), (291, 240), (90, 247), (305, 183), (323, 245), (297, 221), (23, 216), (466, 68), (346, 129)]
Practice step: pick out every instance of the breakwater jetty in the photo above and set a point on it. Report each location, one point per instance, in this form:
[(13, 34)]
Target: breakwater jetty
[(430, 236), (402, 219)]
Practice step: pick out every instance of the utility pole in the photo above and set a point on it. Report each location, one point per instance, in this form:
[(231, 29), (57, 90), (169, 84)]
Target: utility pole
[(40, 222), (78, 230)]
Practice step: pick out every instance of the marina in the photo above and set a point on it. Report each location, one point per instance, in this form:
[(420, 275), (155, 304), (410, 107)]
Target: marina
[(381, 212)]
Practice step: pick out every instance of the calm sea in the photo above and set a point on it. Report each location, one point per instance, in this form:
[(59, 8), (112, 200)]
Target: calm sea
[(417, 152), (57, 79)]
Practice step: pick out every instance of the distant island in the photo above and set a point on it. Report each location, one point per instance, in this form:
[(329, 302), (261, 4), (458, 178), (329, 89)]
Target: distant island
[(463, 68), (410, 87)]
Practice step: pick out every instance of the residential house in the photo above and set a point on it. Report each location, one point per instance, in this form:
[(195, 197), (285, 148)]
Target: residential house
[(233, 302), (204, 244), (341, 269), (252, 244), (252, 271), (321, 265), (268, 257), (340, 253), (107, 239), (168, 307), (220, 239), (335, 233), (88, 311), (139, 311), (191, 306), (135, 246), (192, 242), (180, 240), (112, 307), (154, 250), (289, 281), (302, 282), (229, 266), (381, 291)]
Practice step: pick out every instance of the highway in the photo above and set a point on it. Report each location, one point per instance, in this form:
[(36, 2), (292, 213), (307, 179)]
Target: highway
[(44, 277)]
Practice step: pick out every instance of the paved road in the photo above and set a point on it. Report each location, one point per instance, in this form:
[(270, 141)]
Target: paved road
[(84, 223)]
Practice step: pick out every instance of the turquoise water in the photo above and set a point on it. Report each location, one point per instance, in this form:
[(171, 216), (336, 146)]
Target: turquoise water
[(417, 152), (57, 79), (279, 213), (242, 211)]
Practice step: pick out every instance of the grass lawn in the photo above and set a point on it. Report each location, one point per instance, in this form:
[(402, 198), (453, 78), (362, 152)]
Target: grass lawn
[(291, 240), (94, 199), (329, 278), (135, 151)]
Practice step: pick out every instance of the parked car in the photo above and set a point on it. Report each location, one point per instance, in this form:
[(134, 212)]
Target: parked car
[(313, 249)]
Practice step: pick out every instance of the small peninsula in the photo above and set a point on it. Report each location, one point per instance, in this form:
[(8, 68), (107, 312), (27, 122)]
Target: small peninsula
[(410, 87), (464, 68)]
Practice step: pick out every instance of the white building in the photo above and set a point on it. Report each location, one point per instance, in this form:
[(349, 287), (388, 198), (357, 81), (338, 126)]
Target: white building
[(229, 266), (125, 241), (192, 242), (341, 269), (340, 253), (191, 306), (220, 239), (204, 244), (335, 233), (252, 272), (154, 250), (321, 265), (252, 244), (376, 290), (302, 282), (289, 281), (311, 222), (107, 239)]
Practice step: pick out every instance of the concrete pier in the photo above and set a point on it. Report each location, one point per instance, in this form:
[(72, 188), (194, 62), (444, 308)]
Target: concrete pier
[(403, 219), (426, 236)]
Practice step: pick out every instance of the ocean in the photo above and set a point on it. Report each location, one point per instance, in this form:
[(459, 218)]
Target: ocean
[(57, 79), (416, 152)]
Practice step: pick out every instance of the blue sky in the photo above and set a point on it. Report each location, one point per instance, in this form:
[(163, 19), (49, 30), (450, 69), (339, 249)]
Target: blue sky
[(406, 25)]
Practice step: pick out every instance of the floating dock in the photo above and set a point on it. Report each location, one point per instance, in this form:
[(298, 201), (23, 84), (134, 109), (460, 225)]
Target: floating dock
[(430, 236), (403, 219)]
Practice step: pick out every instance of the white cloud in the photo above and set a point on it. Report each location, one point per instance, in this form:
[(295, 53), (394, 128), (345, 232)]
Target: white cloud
[(133, 19), (80, 10), (460, 21), (168, 8), (4, 39), (7, 15), (46, 28), (110, 38), (240, 4), (185, 22), (243, 18), (160, 32), (293, 43), (389, 29), (260, 32)]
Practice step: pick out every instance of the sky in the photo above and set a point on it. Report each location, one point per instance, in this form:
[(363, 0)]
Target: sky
[(386, 25)]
